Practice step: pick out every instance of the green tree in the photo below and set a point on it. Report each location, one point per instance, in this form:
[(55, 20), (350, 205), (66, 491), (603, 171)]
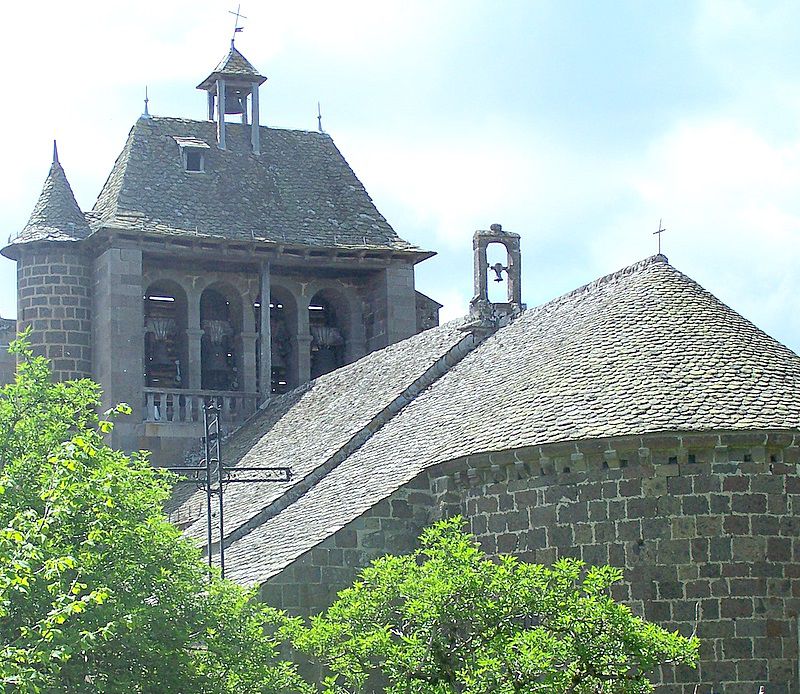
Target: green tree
[(447, 619), (98, 591)]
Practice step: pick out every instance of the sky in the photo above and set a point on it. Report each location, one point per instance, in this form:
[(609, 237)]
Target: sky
[(577, 124)]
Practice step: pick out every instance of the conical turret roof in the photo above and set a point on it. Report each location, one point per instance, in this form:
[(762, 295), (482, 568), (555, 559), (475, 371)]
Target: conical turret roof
[(56, 216)]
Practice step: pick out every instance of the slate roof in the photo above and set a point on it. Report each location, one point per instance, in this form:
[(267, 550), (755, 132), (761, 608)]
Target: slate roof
[(235, 65), (307, 423), (299, 190), (56, 216), (640, 351)]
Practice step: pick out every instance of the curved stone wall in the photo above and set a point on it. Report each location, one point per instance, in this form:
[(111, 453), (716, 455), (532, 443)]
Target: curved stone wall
[(706, 528), (54, 299)]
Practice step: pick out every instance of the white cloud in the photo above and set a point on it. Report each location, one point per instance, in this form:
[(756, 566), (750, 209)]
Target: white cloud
[(729, 199)]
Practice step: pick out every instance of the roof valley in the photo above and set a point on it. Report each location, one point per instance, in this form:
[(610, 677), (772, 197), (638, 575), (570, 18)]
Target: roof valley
[(439, 368)]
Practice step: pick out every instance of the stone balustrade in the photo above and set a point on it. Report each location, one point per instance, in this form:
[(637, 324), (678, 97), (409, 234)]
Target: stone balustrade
[(178, 406)]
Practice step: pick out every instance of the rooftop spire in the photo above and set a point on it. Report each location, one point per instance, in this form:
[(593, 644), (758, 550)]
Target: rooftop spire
[(146, 113), (56, 216)]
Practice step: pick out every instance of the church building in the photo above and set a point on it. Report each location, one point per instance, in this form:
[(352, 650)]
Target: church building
[(636, 421), (156, 293)]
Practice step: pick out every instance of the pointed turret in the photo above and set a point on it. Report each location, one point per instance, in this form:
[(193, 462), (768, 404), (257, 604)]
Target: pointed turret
[(56, 216)]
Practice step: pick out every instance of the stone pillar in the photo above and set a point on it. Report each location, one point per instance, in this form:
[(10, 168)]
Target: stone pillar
[(480, 266), (265, 337), (194, 340), (248, 343), (194, 337), (303, 342), (118, 336), (401, 302)]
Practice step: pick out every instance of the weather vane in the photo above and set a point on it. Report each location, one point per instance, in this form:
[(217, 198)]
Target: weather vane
[(236, 27), (319, 118), (658, 233)]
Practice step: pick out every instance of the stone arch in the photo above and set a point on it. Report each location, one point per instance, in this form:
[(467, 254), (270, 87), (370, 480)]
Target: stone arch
[(284, 328), (332, 322), (221, 319), (166, 352)]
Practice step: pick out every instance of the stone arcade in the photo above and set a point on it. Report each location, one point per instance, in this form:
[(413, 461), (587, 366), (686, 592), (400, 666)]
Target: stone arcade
[(636, 420), (157, 292)]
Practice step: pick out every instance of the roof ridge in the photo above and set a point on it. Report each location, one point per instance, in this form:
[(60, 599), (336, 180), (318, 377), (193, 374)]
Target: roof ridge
[(433, 373)]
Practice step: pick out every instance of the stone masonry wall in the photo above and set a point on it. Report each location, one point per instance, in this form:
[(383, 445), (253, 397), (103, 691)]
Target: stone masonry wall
[(54, 299), (704, 526), (310, 584)]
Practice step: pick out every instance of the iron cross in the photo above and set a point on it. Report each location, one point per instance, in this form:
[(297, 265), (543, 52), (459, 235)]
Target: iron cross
[(238, 15), (658, 233)]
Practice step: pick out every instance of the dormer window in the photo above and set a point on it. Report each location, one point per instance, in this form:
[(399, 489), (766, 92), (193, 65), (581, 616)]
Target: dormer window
[(193, 154)]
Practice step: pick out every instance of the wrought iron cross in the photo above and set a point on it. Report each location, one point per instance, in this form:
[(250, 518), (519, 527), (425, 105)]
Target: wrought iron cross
[(236, 27), (213, 475), (658, 233)]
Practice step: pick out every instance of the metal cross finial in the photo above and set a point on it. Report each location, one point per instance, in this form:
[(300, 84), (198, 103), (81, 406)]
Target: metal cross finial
[(236, 27), (146, 113), (319, 118), (658, 233)]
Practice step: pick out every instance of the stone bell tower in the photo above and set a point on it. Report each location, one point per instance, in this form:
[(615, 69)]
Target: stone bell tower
[(481, 309)]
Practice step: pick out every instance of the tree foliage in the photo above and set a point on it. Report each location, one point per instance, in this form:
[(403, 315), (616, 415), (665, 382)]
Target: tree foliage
[(98, 591), (447, 619)]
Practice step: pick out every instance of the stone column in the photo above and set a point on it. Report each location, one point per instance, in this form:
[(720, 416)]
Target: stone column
[(194, 336), (194, 372), (248, 343), (480, 266), (303, 342), (265, 337)]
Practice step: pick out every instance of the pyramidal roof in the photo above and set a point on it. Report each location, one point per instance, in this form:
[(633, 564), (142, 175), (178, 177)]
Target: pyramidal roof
[(299, 190), (644, 350), (234, 65), (56, 216)]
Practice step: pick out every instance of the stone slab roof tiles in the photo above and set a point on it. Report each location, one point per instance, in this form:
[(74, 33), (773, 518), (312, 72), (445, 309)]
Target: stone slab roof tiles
[(641, 351), (56, 216), (299, 190), (234, 65), (315, 426)]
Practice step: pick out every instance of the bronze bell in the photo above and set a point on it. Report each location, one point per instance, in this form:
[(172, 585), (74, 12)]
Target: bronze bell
[(234, 101), (161, 355)]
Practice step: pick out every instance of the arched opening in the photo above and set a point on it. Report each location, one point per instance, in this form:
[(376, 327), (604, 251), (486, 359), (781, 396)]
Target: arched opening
[(327, 322), (221, 354), (165, 346), (283, 332), (497, 278)]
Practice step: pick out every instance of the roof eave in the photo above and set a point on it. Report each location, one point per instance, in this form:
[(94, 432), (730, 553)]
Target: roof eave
[(209, 82)]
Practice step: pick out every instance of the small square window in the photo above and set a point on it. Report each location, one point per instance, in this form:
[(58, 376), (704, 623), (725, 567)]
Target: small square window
[(193, 159)]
